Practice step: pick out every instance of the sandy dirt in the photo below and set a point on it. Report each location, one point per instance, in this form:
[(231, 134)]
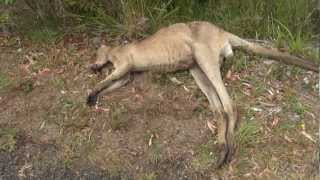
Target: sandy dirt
[(154, 127)]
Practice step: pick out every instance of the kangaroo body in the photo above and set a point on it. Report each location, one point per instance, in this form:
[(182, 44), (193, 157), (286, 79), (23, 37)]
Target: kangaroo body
[(199, 47)]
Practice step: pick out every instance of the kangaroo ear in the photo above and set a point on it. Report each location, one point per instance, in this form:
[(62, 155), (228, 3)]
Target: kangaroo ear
[(123, 40), (103, 39)]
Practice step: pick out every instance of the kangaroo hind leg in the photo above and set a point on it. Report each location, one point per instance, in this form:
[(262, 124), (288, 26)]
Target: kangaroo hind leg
[(208, 60), (205, 86)]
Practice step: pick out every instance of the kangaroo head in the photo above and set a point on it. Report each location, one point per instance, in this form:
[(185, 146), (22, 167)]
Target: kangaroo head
[(102, 58)]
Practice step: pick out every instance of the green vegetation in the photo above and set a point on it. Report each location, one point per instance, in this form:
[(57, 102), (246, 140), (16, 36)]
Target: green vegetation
[(239, 62), (42, 35), (8, 139), (74, 146), (27, 85), (149, 176), (248, 133), (289, 24), (144, 135), (155, 155), (118, 117), (7, 2), (258, 87), (4, 81), (293, 104), (204, 157)]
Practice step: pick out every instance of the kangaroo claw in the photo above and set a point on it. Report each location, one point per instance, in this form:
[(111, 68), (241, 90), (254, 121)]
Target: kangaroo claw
[(95, 68), (223, 155), (91, 100), (232, 150)]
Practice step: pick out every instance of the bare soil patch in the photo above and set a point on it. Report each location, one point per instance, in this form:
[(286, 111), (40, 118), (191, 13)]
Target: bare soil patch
[(153, 128)]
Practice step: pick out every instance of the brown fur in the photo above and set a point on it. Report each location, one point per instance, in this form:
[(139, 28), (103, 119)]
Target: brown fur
[(197, 46)]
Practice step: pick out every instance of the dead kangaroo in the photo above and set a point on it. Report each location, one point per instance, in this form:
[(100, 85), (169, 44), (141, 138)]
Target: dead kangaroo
[(197, 46)]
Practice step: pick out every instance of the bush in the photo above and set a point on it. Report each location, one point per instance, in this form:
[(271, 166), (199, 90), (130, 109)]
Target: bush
[(277, 20)]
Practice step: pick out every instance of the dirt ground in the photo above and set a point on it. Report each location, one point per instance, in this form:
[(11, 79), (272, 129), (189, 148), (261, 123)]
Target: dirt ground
[(156, 127)]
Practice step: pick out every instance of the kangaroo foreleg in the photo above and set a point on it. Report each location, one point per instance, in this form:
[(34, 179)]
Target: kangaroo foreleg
[(116, 84), (119, 72)]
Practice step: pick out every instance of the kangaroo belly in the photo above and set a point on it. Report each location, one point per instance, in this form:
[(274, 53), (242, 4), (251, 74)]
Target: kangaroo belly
[(172, 66), (164, 57), (168, 66)]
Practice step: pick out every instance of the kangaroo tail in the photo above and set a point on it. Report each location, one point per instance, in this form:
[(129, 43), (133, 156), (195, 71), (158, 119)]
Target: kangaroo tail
[(239, 43)]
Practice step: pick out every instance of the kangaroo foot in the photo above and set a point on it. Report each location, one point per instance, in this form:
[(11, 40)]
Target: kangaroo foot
[(223, 155)]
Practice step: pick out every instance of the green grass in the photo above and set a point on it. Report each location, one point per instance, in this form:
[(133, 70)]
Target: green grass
[(155, 155), (4, 17), (293, 104), (119, 117), (27, 86), (74, 146), (204, 157), (59, 83), (258, 87), (8, 139), (67, 113), (289, 23), (42, 35), (5, 81), (161, 79), (287, 125), (248, 133), (239, 62), (149, 176)]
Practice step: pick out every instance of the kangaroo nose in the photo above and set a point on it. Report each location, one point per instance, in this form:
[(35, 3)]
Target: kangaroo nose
[(94, 67)]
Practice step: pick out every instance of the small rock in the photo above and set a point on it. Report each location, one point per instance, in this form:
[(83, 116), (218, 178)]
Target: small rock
[(295, 117), (268, 62), (306, 80), (256, 109)]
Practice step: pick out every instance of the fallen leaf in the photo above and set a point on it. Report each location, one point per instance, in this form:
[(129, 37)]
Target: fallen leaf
[(311, 114), (100, 109), (288, 139), (25, 67), (308, 136), (42, 125), (44, 71), (21, 172), (185, 88), (256, 109), (211, 127), (267, 104), (247, 85), (232, 76), (247, 92), (275, 121), (175, 80), (31, 61), (150, 140), (60, 71), (306, 80)]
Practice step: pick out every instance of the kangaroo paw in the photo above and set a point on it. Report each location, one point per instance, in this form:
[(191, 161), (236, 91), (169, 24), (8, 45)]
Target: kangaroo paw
[(223, 155), (232, 150), (96, 68), (92, 100)]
